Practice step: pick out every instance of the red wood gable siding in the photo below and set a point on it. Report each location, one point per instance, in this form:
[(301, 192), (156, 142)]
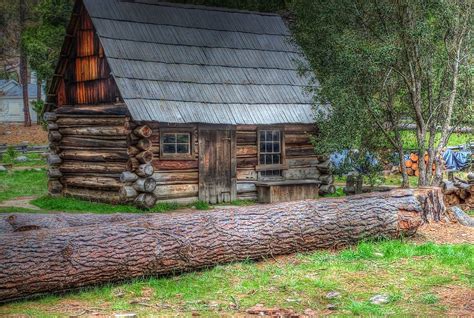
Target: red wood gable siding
[(86, 79)]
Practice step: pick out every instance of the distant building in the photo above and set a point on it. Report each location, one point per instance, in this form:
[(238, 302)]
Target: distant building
[(11, 101)]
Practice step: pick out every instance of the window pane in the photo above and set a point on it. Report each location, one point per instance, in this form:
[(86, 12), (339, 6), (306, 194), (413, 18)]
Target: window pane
[(276, 147), (183, 138), (262, 135), (262, 159), (268, 159), (276, 159), (169, 138), (183, 148), (269, 135), (269, 147), (169, 148), (262, 146), (276, 135)]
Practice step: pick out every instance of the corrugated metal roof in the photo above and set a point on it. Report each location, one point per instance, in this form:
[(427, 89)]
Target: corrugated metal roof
[(192, 64)]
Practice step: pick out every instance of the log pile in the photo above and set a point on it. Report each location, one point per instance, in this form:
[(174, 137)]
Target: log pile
[(459, 192), (74, 253), (98, 154), (412, 164)]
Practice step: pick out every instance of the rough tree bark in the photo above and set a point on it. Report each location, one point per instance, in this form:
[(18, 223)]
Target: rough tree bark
[(22, 222), (55, 260)]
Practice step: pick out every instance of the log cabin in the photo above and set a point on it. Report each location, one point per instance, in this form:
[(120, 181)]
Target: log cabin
[(154, 101)]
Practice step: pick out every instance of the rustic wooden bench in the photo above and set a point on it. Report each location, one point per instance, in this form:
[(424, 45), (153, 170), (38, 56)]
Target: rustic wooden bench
[(288, 190)]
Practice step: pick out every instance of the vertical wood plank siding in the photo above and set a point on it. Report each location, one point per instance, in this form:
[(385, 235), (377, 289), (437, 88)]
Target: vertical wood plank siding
[(87, 79), (178, 180)]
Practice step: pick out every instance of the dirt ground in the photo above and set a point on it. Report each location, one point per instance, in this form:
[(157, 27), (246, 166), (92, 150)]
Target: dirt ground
[(444, 233), (14, 134)]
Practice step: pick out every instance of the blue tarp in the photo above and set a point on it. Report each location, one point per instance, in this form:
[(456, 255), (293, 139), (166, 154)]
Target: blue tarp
[(456, 160), (339, 158)]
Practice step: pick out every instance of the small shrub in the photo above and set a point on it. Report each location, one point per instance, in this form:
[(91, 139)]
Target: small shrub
[(10, 155), (201, 205), (429, 299), (243, 202)]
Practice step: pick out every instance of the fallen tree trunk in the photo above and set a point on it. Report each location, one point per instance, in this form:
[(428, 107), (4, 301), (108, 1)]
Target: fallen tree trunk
[(37, 262), (22, 222), (462, 217)]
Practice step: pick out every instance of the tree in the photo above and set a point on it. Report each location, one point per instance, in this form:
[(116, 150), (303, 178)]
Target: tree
[(382, 64), (44, 37), (24, 66)]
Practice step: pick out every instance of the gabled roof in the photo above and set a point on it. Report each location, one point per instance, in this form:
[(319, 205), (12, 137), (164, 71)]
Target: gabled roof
[(12, 88), (186, 64)]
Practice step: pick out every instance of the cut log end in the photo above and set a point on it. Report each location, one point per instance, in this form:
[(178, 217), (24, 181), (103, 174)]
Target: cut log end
[(143, 131), (145, 201)]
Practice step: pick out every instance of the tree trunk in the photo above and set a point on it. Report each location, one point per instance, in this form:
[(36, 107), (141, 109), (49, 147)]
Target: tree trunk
[(24, 67), (38, 262), (39, 84), (21, 222), (403, 167)]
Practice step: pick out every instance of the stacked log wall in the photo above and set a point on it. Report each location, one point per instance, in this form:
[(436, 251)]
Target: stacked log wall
[(88, 153)]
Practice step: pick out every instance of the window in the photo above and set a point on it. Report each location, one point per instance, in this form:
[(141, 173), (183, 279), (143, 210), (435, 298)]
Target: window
[(270, 147), (270, 153), (176, 143)]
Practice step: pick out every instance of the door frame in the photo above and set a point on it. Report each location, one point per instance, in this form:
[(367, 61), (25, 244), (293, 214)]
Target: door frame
[(232, 163)]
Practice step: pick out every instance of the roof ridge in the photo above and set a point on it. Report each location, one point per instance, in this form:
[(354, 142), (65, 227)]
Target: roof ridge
[(199, 7)]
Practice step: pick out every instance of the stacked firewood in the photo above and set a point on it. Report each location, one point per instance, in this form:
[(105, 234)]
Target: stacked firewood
[(412, 164), (459, 192), (138, 181)]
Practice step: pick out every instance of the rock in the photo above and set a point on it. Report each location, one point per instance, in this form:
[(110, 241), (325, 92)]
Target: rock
[(2, 168), (380, 299), (131, 315), (378, 254), (21, 159), (333, 294), (331, 306)]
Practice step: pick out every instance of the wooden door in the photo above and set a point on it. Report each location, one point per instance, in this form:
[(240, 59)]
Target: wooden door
[(217, 165)]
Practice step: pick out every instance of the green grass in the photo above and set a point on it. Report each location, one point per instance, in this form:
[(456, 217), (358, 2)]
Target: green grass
[(456, 139), (34, 160), (75, 205), (15, 184), (339, 193), (243, 202), (410, 274), (201, 205)]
